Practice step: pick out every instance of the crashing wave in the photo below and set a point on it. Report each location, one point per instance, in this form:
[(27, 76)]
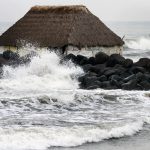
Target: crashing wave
[(43, 138), (142, 43)]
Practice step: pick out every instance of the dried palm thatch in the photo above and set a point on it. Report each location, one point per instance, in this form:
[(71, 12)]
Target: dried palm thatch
[(57, 26)]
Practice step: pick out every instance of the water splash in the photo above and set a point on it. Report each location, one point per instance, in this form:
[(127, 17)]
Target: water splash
[(142, 43), (43, 74)]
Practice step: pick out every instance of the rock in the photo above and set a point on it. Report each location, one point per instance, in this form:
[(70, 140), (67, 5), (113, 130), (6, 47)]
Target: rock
[(131, 85), (106, 85), (115, 59), (125, 74), (136, 69), (147, 77), (145, 85), (111, 72), (131, 77), (87, 67), (115, 77), (3, 61), (143, 62), (92, 61), (91, 74), (127, 63), (140, 76), (110, 87), (80, 57), (88, 81), (98, 68), (93, 87), (10, 55), (115, 83), (71, 57), (101, 58), (84, 61), (44, 100), (81, 79), (102, 78)]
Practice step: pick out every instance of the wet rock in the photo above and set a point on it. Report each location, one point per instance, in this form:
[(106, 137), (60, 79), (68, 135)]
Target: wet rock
[(3, 61), (131, 85), (127, 63), (125, 74), (143, 62), (102, 78), (98, 68), (115, 77), (147, 77), (92, 61), (101, 58), (136, 69), (87, 67), (71, 57), (115, 59), (106, 85), (83, 61), (88, 81), (80, 57), (140, 76), (145, 85), (111, 72), (92, 87), (10, 55), (131, 77), (81, 79), (44, 100), (115, 83), (91, 74)]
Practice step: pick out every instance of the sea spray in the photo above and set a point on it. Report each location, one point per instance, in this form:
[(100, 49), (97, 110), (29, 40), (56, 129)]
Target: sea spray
[(72, 116), (142, 43), (43, 74)]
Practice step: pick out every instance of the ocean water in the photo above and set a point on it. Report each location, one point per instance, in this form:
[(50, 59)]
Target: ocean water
[(42, 107)]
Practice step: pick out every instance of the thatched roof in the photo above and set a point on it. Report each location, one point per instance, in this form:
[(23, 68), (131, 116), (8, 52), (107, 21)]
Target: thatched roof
[(57, 26)]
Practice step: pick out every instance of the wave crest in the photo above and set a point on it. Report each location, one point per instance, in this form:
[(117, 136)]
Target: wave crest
[(142, 43)]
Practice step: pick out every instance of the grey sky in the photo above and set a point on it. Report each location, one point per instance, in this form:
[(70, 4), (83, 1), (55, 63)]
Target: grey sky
[(106, 10)]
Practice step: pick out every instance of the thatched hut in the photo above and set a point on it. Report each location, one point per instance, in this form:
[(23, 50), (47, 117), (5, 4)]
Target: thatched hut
[(73, 29)]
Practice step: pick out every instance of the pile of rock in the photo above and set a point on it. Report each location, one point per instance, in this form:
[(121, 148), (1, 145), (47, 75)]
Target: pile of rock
[(113, 72), (11, 58)]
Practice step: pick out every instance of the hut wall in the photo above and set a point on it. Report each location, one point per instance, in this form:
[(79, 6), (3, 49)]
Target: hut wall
[(91, 51), (4, 48)]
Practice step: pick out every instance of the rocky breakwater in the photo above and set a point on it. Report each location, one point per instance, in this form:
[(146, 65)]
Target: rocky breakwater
[(13, 59), (112, 72)]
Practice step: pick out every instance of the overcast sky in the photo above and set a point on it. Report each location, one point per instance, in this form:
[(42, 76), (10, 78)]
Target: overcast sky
[(106, 10)]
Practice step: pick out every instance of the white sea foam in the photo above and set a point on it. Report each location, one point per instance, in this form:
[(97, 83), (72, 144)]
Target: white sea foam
[(143, 43), (41, 138), (76, 117), (43, 75)]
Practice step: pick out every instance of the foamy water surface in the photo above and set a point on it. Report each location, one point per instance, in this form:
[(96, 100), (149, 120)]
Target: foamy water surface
[(70, 117), (41, 105)]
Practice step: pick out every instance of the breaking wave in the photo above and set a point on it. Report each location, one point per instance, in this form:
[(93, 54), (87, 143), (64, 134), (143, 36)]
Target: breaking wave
[(42, 138), (142, 43), (43, 74), (41, 106)]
